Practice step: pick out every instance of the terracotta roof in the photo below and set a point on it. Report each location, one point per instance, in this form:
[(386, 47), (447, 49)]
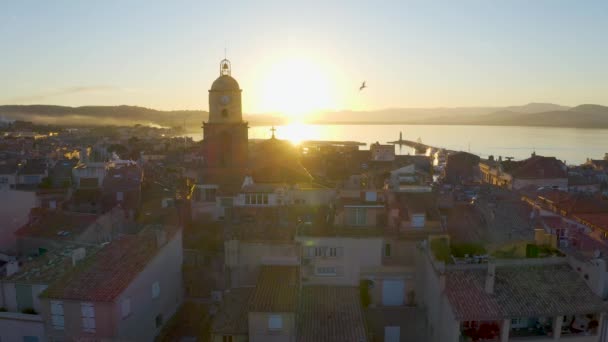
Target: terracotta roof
[(232, 318), (330, 313), (520, 291), (540, 167), (49, 223), (583, 203), (48, 267), (276, 289), (107, 274), (599, 220)]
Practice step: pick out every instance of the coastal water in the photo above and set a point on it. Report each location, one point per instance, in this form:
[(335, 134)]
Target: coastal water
[(572, 145)]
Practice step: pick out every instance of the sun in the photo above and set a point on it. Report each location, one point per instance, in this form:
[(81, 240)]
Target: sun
[(296, 87)]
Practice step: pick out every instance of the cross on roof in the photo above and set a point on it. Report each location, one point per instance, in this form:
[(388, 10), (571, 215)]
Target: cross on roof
[(273, 130)]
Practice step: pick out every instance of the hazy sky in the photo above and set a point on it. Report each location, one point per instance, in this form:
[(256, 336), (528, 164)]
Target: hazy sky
[(165, 54)]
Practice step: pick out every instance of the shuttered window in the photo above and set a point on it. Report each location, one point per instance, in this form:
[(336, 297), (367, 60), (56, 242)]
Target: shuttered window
[(88, 317), (57, 318), (155, 289)]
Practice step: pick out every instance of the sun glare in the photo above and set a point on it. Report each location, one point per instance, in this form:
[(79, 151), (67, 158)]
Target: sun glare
[(298, 132), (297, 87)]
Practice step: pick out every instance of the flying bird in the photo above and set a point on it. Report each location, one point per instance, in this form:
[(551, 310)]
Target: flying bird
[(362, 86)]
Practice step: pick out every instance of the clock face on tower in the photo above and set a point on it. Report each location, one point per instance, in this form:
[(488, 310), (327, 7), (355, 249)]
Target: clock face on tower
[(225, 100)]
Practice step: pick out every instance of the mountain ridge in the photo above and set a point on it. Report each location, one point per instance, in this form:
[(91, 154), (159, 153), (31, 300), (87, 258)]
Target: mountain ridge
[(532, 114)]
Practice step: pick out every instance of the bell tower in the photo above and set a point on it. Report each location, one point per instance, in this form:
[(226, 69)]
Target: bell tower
[(225, 97), (225, 135)]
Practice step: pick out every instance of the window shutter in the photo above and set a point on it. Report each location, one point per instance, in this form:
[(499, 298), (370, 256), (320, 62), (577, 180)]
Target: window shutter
[(58, 321), (155, 289), (56, 307)]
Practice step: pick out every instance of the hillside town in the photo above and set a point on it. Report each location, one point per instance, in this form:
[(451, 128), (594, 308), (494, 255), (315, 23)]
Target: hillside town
[(139, 234)]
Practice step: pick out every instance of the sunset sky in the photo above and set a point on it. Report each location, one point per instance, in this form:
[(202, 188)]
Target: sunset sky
[(303, 56)]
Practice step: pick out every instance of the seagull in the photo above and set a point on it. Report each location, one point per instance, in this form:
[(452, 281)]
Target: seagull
[(362, 86)]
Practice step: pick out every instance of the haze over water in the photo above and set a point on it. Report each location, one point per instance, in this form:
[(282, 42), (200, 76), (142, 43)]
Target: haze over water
[(572, 145)]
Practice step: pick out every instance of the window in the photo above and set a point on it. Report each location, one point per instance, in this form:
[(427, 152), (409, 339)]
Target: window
[(387, 250), (256, 199), (210, 195), (88, 317), (227, 339), (3, 180), (275, 322), (519, 323), (418, 220), (30, 339), (358, 216), (119, 196), (57, 318), (225, 112), (159, 320), (333, 252), (326, 271), (125, 307), (155, 289)]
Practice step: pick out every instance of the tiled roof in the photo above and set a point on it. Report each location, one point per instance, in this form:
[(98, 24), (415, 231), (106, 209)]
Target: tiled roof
[(232, 318), (520, 291), (276, 289), (330, 313), (540, 167), (51, 222), (106, 275), (48, 267), (599, 220)]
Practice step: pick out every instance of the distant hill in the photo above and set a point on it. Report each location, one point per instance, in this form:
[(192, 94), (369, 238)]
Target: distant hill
[(532, 114), (583, 116), (112, 115)]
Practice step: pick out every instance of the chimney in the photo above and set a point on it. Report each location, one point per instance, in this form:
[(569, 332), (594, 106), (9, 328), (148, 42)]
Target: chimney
[(161, 237), (248, 181), (489, 288), (77, 255), (12, 267)]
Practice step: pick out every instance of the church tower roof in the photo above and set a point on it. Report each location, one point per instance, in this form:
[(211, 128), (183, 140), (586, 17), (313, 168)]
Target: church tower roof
[(225, 82)]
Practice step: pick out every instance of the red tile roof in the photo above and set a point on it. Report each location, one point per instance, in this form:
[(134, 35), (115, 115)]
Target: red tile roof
[(520, 291), (330, 314), (540, 167), (599, 220), (106, 275), (48, 223), (276, 289)]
